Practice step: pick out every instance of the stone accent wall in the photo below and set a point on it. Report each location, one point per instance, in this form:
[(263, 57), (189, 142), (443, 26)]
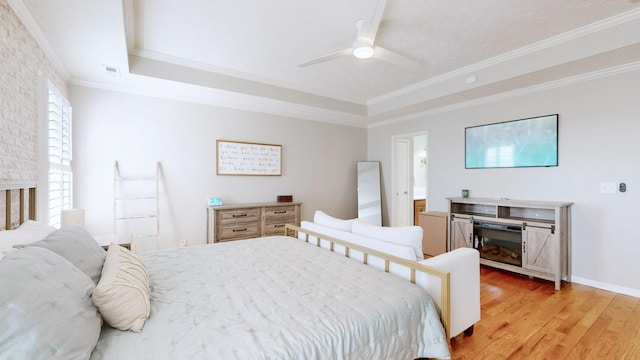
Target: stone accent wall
[(21, 60)]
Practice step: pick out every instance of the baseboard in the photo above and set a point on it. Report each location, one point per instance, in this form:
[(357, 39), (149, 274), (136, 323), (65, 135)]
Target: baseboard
[(606, 286)]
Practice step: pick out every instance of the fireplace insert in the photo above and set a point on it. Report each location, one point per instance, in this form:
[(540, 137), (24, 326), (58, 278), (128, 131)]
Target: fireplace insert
[(498, 242)]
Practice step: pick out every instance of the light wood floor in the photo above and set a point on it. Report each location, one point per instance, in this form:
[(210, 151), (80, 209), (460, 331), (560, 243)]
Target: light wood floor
[(524, 318)]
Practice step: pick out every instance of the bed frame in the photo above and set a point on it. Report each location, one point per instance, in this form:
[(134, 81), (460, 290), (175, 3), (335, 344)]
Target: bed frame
[(25, 203), (414, 266)]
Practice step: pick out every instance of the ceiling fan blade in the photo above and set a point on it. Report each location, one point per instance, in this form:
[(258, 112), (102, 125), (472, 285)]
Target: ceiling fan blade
[(395, 58), (371, 21), (328, 57)]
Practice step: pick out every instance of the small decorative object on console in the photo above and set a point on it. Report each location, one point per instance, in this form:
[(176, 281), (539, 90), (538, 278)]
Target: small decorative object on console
[(215, 200), (285, 198)]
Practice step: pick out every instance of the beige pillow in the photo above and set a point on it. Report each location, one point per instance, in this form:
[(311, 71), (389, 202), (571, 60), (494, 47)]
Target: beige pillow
[(122, 295)]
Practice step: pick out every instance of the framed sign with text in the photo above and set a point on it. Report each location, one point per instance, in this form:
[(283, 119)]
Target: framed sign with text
[(245, 158)]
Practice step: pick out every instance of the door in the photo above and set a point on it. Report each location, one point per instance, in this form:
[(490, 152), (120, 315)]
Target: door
[(538, 249), (402, 173), (461, 233)]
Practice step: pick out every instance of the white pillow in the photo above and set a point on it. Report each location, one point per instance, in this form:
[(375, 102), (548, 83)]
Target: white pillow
[(323, 218), (29, 231), (404, 252), (38, 227), (123, 295), (400, 251), (402, 235)]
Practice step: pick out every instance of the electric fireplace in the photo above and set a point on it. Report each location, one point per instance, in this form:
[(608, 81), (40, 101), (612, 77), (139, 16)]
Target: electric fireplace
[(498, 242)]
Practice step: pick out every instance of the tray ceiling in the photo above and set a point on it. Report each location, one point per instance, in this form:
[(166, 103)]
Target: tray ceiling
[(245, 54)]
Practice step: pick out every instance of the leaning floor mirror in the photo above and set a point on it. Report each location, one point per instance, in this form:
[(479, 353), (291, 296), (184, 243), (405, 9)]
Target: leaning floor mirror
[(369, 194)]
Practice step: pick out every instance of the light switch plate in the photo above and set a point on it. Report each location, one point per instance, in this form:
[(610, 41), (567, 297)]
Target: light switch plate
[(608, 187)]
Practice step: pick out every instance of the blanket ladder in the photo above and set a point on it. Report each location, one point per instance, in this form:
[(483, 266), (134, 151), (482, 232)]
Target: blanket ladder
[(136, 205)]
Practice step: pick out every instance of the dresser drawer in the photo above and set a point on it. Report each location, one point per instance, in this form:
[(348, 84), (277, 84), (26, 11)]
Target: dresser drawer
[(238, 231), (280, 214), (274, 229), (235, 216)]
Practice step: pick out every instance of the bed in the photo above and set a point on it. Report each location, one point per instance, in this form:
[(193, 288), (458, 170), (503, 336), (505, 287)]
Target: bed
[(22, 194), (276, 297)]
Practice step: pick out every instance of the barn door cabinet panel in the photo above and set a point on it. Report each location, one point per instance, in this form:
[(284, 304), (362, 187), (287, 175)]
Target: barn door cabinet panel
[(538, 249), (461, 233)]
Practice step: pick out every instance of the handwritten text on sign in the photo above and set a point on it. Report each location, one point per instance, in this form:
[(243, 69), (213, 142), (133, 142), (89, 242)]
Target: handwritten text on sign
[(240, 158)]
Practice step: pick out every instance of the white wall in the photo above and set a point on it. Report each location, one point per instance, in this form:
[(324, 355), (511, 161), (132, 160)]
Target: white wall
[(319, 160), (599, 128)]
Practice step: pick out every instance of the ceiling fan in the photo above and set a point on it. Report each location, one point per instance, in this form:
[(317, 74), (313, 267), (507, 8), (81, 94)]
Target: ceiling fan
[(364, 47)]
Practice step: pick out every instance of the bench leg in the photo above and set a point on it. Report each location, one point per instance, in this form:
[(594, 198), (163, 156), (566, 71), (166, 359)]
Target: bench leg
[(469, 331)]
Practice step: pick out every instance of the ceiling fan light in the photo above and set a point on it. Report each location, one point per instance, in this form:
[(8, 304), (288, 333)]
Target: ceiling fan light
[(362, 49)]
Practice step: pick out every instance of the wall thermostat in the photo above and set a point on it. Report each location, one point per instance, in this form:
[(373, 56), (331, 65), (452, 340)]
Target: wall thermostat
[(622, 187)]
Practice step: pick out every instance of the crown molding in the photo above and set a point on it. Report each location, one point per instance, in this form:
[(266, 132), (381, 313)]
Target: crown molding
[(25, 16), (335, 118), (616, 70), (236, 102), (515, 54), (239, 74)]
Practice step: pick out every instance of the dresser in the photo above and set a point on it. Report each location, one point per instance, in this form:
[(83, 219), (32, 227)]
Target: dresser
[(245, 221)]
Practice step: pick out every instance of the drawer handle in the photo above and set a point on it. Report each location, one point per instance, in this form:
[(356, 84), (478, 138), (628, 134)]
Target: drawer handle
[(240, 215), (280, 212), (278, 226), (239, 230)]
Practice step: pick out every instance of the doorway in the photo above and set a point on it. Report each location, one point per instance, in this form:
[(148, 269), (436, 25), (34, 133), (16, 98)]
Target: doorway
[(410, 177)]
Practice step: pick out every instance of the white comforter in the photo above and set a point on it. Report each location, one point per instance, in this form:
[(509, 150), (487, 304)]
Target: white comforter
[(238, 300)]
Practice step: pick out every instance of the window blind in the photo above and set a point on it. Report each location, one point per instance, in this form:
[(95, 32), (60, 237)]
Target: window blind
[(60, 175)]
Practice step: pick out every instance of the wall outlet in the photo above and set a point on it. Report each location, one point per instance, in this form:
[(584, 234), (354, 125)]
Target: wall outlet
[(183, 243), (608, 187)]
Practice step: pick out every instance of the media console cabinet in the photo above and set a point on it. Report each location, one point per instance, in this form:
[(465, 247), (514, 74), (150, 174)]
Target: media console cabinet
[(526, 237)]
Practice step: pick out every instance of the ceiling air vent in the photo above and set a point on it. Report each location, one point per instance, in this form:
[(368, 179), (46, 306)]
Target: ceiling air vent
[(112, 70)]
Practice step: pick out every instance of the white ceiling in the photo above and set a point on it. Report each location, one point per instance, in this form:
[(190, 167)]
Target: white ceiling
[(245, 54)]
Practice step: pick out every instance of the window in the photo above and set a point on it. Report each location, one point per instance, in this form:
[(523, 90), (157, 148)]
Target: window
[(59, 144)]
